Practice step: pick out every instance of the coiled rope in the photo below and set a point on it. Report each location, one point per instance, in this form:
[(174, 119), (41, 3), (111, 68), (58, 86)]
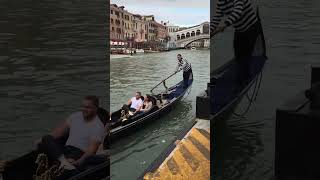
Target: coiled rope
[(44, 172), (253, 97)]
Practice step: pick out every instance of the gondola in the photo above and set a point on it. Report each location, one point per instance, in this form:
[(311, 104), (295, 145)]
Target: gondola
[(163, 102), (25, 167), (225, 88), (223, 94), (226, 93)]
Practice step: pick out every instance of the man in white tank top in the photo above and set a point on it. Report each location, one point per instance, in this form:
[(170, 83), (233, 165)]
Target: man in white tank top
[(136, 102), (86, 133)]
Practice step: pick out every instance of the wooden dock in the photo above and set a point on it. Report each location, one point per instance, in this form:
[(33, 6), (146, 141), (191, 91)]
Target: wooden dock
[(190, 159)]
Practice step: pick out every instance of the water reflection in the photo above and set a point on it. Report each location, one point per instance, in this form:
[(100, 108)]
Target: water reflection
[(52, 54), (236, 138)]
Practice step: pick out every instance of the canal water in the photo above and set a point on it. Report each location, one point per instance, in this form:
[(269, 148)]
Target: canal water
[(131, 155), (246, 145), (52, 54), (51, 57)]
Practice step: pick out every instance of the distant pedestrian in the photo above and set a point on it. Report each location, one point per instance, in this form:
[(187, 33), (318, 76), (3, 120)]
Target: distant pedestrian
[(184, 65)]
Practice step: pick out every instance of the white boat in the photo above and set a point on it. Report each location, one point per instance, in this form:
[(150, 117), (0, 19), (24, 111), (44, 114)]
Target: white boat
[(119, 56), (139, 51), (128, 51)]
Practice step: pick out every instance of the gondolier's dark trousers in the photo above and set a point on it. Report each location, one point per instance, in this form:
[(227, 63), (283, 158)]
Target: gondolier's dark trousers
[(186, 77), (244, 43)]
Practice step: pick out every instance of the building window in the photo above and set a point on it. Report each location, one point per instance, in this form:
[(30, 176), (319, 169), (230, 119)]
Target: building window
[(119, 30), (112, 29), (111, 12), (111, 21)]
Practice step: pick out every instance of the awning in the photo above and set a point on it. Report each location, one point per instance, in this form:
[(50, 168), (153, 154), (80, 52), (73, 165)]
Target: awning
[(118, 43)]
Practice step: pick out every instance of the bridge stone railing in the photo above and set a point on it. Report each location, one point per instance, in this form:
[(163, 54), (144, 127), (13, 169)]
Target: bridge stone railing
[(184, 42)]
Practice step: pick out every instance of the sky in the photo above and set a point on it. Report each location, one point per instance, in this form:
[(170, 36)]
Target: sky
[(178, 12)]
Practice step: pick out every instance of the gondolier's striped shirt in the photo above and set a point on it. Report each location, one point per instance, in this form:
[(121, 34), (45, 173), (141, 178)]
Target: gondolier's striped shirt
[(239, 13), (184, 65)]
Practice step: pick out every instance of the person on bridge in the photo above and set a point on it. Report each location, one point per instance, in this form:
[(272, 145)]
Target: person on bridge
[(245, 20), (184, 65)]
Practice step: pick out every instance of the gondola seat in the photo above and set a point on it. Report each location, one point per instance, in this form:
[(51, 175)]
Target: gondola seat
[(161, 104), (139, 115), (94, 160), (95, 167)]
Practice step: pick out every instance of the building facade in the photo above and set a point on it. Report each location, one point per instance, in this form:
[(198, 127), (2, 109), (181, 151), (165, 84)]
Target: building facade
[(161, 32), (121, 24), (136, 30), (116, 28), (150, 23)]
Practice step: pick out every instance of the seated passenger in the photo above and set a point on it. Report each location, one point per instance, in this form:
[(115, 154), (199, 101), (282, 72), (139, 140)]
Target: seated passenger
[(135, 103), (86, 133), (147, 104)]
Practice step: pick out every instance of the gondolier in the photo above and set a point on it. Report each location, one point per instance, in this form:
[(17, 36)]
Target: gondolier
[(184, 65), (245, 20)]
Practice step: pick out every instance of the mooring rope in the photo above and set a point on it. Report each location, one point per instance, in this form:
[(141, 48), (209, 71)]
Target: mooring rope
[(43, 171), (185, 96), (253, 97)]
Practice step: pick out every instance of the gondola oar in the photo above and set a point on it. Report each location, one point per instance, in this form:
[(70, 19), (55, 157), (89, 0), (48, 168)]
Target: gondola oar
[(163, 81)]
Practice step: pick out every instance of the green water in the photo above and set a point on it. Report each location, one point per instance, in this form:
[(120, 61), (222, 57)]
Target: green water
[(131, 155)]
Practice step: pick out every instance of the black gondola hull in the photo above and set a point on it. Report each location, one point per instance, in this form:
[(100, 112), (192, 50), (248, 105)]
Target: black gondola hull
[(138, 123), (24, 167)]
